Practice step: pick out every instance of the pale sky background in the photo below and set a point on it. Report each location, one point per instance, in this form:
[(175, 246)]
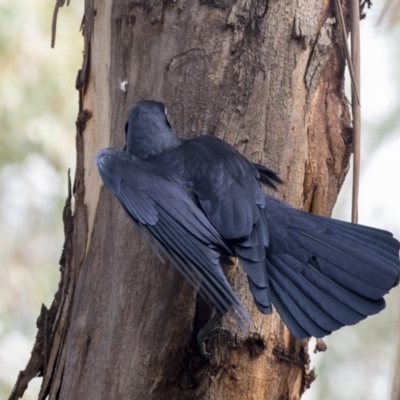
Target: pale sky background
[(352, 366), (364, 372)]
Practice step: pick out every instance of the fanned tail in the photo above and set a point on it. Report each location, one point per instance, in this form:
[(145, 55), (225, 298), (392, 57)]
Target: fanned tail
[(324, 274)]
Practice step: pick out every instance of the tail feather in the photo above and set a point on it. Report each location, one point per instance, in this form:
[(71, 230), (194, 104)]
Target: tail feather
[(287, 316), (298, 322), (324, 274), (358, 269), (251, 252), (262, 297), (336, 302), (354, 305), (378, 241), (304, 300), (259, 284), (381, 245)]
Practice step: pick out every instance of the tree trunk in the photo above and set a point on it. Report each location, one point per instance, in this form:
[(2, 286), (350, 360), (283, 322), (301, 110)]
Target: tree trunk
[(267, 77)]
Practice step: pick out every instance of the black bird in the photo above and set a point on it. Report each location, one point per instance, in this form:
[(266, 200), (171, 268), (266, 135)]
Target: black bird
[(199, 199)]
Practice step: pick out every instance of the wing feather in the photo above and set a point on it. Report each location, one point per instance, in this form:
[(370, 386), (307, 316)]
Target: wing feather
[(158, 202)]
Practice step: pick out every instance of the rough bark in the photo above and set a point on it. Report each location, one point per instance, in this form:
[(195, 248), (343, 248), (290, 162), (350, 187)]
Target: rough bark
[(266, 76)]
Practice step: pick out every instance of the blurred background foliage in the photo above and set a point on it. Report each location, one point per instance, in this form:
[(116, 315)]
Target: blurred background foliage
[(360, 361), (38, 107)]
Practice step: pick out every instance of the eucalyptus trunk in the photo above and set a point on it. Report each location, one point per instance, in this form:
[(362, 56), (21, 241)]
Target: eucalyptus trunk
[(265, 76)]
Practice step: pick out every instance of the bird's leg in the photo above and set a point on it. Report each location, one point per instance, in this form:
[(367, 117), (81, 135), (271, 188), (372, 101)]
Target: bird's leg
[(209, 331)]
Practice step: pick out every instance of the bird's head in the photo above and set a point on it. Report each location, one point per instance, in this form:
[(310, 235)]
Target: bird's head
[(148, 131)]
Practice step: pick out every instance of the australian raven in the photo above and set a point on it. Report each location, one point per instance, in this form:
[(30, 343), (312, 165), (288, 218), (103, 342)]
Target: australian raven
[(200, 199)]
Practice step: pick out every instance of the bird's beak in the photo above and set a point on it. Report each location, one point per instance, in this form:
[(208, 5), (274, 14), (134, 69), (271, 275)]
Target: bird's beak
[(125, 147)]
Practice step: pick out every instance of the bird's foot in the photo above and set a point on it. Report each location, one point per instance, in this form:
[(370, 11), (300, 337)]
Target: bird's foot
[(202, 339), (209, 331)]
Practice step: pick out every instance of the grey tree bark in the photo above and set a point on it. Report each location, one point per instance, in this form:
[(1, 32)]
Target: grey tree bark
[(267, 77)]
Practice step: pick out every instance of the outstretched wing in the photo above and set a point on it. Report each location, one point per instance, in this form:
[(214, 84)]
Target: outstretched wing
[(159, 204)]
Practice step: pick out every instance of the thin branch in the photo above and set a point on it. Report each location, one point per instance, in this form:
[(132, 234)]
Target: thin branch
[(59, 3), (353, 61), (356, 108), (347, 50)]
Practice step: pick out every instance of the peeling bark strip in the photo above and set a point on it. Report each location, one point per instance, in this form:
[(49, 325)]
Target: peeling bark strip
[(267, 76)]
